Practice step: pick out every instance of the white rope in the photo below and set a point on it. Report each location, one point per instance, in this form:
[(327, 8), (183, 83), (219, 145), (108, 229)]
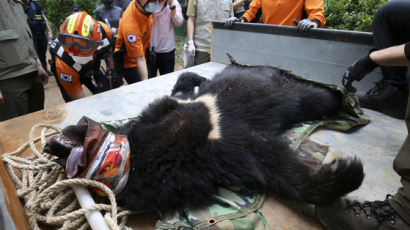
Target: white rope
[(48, 195)]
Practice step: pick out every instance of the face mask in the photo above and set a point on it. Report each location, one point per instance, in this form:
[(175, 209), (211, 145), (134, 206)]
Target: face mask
[(152, 7), (82, 60)]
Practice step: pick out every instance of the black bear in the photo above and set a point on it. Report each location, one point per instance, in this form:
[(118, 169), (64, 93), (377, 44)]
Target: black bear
[(227, 134), (184, 147)]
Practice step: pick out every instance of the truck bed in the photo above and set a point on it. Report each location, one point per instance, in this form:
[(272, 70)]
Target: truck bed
[(376, 144)]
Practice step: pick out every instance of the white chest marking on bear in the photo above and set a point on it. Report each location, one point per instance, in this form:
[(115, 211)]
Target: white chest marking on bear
[(210, 102)]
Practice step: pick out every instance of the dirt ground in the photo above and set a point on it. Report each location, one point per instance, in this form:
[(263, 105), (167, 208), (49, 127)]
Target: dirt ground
[(53, 95)]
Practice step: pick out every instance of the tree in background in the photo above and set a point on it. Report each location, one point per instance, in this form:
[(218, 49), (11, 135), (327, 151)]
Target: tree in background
[(340, 14), (57, 10), (351, 14)]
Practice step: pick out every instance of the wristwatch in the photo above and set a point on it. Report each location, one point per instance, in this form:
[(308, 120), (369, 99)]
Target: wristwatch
[(172, 7)]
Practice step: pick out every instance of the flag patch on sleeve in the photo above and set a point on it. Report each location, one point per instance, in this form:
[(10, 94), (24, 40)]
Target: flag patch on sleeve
[(132, 38), (66, 78)]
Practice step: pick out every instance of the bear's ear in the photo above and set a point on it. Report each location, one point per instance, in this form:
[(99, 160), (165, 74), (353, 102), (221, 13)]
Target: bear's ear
[(158, 109), (186, 83)]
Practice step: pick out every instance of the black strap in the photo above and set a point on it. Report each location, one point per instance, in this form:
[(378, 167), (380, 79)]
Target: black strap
[(104, 34), (57, 49)]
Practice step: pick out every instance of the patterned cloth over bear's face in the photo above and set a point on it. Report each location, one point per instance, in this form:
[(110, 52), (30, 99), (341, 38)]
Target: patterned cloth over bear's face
[(94, 153)]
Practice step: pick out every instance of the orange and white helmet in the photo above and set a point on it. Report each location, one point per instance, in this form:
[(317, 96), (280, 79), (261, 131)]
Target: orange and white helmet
[(80, 34)]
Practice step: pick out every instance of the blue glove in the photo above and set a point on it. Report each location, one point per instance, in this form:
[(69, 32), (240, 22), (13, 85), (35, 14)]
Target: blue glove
[(304, 25), (230, 21)]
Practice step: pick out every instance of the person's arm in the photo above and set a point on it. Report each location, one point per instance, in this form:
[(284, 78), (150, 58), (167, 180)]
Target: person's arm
[(237, 4), (176, 13), (42, 73), (142, 68), (50, 32), (315, 12), (1, 99), (172, 6), (77, 95), (190, 28), (392, 56), (250, 14), (190, 35)]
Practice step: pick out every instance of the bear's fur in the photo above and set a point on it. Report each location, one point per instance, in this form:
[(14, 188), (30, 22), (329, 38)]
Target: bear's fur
[(228, 135)]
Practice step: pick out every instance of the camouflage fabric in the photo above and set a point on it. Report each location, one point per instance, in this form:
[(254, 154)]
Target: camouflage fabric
[(230, 209)]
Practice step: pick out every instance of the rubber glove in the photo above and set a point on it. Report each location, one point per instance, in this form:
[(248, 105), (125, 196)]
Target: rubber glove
[(304, 25), (191, 48), (230, 21), (358, 70)]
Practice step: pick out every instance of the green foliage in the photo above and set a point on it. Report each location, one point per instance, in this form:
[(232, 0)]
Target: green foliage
[(57, 10), (351, 14)]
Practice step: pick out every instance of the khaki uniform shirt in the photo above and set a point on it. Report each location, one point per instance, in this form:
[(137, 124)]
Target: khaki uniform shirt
[(17, 53), (206, 11)]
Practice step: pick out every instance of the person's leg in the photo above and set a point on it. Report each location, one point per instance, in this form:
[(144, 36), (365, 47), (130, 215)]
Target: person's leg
[(201, 57), (131, 75), (16, 96), (36, 94), (166, 62), (390, 27), (401, 200)]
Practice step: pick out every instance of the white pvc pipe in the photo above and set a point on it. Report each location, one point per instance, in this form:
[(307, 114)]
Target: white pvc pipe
[(94, 218)]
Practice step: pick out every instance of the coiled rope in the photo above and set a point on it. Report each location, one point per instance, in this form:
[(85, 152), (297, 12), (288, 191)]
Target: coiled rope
[(48, 195)]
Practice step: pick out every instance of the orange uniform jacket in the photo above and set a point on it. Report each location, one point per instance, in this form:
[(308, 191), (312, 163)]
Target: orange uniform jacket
[(282, 12), (68, 77), (134, 31)]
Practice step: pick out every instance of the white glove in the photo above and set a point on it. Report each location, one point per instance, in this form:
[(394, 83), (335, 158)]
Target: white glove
[(191, 48)]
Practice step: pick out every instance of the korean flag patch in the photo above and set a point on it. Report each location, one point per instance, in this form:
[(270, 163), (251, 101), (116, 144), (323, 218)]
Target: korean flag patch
[(66, 78), (132, 38)]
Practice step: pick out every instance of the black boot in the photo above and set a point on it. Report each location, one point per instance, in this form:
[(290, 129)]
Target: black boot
[(345, 214), (385, 98)]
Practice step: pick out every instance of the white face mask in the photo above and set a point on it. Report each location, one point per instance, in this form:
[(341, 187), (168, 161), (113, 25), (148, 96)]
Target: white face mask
[(82, 59)]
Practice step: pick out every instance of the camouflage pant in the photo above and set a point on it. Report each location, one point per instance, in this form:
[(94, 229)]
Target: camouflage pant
[(401, 200)]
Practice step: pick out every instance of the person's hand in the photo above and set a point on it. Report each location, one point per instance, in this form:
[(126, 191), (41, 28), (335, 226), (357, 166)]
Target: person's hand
[(1, 99), (357, 71), (50, 35), (191, 48), (304, 25), (230, 21), (43, 74)]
